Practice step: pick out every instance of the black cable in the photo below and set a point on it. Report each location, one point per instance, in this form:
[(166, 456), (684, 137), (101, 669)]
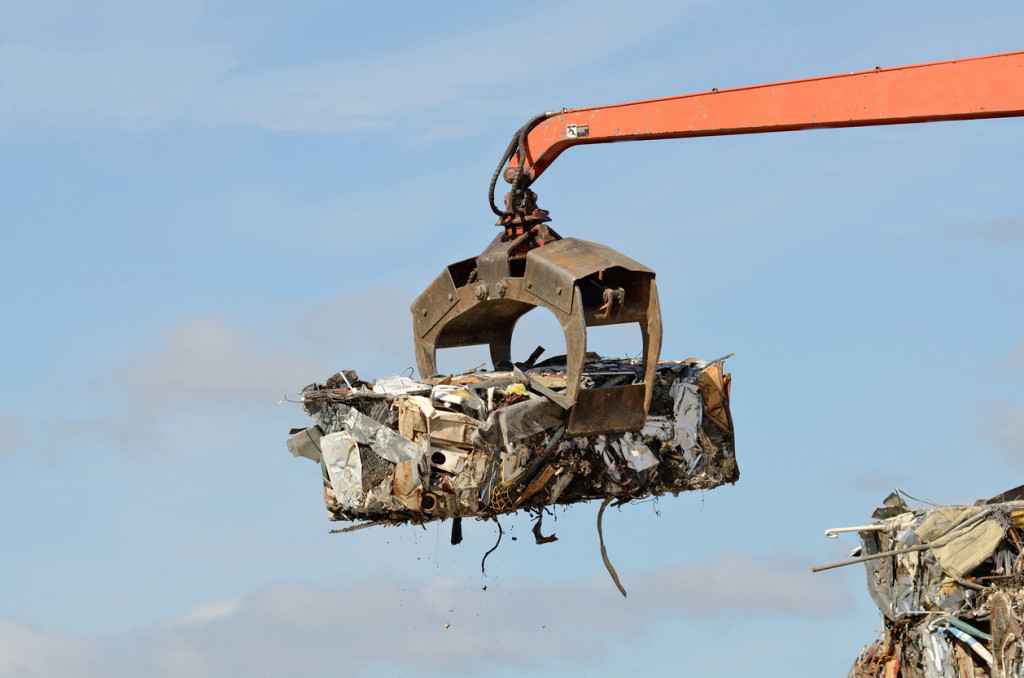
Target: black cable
[(518, 143), (497, 172), (493, 548), (518, 198)]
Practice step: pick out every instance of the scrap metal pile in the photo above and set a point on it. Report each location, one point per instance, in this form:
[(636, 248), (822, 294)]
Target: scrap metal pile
[(488, 443), (949, 581)]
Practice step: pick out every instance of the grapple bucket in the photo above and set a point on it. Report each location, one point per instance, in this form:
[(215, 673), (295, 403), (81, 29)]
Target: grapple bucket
[(584, 284)]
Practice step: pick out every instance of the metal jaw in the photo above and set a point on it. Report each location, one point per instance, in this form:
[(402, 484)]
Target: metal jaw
[(584, 284)]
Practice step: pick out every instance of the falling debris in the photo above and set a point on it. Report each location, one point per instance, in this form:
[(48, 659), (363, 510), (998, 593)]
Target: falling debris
[(949, 582), (482, 444)]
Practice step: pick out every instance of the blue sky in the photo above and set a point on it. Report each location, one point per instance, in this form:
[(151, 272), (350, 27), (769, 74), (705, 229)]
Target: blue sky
[(208, 205)]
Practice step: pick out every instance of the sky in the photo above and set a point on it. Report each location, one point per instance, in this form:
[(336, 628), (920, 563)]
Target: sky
[(208, 205)]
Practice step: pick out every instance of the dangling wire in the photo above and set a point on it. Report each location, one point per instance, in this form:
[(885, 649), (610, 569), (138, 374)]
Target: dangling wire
[(494, 548), (604, 551)]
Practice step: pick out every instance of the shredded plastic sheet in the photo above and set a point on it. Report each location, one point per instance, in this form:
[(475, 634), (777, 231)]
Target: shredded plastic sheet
[(949, 582), (483, 444)]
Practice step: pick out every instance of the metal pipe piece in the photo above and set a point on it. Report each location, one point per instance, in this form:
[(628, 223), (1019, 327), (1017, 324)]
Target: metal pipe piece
[(967, 628), (834, 532), (873, 556)]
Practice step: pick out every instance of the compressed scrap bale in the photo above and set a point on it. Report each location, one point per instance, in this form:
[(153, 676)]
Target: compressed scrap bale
[(954, 606), (489, 443)]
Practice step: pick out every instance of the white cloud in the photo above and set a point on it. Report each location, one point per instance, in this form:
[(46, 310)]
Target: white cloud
[(146, 66), (1011, 365), (208, 358), (112, 60), (200, 378), (300, 631), (27, 652), (12, 433), (363, 93), (736, 583), (1005, 428), (1006, 230), (1003, 418), (370, 329), (207, 612)]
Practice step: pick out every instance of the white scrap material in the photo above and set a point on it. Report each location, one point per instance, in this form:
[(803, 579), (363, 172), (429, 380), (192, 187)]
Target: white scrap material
[(560, 484), (688, 409), (635, 452), (458, 396), (396, 384), (658, 428), (447, 459), (306, 443), (344, 467), (601, 446), (384, 441)]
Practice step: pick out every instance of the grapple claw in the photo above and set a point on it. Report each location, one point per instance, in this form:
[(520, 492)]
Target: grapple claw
[(584, 284)]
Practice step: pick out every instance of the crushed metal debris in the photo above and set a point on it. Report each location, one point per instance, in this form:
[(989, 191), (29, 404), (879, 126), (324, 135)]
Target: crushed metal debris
[(486, 443), (949, 582)]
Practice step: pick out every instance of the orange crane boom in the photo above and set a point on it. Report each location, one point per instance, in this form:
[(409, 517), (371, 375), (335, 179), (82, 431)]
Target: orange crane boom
[(528, 265), (963, 89)]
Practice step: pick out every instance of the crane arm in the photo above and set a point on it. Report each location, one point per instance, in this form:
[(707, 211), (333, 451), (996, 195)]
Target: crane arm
[(584, 284), (979, 87)]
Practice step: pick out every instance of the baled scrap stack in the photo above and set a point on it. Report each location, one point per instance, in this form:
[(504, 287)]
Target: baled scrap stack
[(486, 443), (949, 581)]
